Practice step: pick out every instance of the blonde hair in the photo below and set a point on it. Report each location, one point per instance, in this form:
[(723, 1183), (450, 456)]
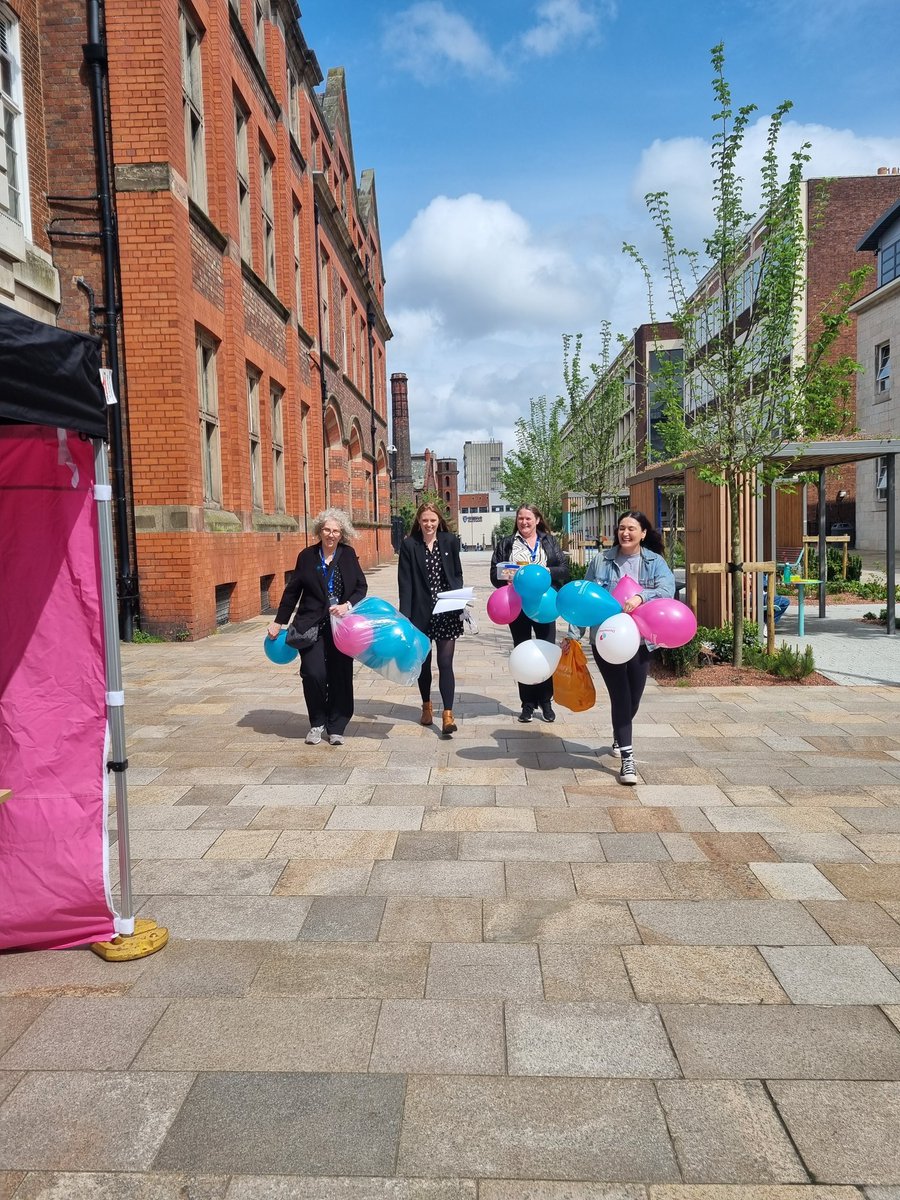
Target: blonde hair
[(348, 533)]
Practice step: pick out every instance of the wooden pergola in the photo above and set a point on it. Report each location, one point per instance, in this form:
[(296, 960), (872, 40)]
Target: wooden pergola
[(766, 525)]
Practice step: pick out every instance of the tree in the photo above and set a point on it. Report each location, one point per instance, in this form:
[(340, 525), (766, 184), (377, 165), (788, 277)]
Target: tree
[(749, 387), (597, 455), (535, 472)]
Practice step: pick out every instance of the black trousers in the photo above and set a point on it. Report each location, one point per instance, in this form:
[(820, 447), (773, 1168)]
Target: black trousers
[(446, 677), (522, 629), (625, 683), (327, 678)]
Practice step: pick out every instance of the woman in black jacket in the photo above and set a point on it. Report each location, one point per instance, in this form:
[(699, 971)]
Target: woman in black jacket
[(327, 580), (531, 543), (429, 563)]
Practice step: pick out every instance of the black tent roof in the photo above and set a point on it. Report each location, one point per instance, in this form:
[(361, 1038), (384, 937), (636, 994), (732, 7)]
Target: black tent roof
[(49, 376)]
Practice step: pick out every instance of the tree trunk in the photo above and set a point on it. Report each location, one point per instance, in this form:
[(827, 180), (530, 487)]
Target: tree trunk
[(733, 484)]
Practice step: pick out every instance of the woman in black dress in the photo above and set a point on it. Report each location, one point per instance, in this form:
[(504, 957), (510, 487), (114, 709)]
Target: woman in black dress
[(429, 563), (327, 581)]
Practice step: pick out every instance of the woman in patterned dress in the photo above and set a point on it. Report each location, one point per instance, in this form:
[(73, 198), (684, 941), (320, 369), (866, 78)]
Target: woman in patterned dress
[(429, 563)]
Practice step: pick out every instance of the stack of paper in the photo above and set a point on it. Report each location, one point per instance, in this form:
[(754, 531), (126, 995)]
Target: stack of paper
[(454, 600)]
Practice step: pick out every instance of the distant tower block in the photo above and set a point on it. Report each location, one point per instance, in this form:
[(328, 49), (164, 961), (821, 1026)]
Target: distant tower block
[(403, 480)]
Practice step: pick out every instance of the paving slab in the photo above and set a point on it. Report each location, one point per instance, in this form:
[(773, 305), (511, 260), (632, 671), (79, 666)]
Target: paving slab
[(193, 968), (64, 1036), (17, 1014), (856, 922), (288, 1123), (89, 1120), (728, 1132), (794, 881), (418, 846), (578, 972), (319, 877), (477, 971), (832, 975), (437, 879), (440, 1037), (205, 877), (280, 1033), (343, 919), (357, 970), (583, 920), (579, 1129), (297, 1187), (421, 919), (782, 1042), (606, 1040), (846, 1132), (701, 975), (541, 847), (726, 923), (230, 918), (118, 1185)]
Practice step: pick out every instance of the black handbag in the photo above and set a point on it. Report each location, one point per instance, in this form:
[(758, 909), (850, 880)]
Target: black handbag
[(302, 641)]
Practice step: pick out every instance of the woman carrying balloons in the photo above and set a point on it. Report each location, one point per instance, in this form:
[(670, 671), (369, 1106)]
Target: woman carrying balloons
[(531, 544), (429, 563), (635, 556), (327, 581)]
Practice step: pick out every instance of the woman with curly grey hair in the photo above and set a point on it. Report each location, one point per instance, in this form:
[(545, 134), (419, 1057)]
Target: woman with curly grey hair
[(327, 581)]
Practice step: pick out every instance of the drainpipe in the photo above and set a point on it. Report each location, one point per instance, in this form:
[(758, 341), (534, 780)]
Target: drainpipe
[(370, 322), (322, 385), (95, 58)]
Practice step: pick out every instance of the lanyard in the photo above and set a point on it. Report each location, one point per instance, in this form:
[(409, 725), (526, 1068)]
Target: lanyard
[(537, 546), (327, 575)]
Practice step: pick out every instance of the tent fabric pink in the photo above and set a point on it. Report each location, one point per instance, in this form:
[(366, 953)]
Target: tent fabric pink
[(53, 725)]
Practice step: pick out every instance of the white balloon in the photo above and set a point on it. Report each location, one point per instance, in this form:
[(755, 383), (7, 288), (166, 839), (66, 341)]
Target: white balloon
[(530, 662), (617, 639)]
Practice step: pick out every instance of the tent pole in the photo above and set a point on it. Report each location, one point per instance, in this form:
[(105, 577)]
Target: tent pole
[(115, 703), (136, 939)]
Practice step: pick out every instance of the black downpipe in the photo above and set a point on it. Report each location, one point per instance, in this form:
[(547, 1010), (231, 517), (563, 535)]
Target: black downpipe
[(322, 385), (96, 61), (370, 323)]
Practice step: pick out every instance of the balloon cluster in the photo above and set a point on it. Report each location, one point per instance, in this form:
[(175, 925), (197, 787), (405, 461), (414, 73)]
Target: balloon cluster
[(376, 634), (665, 622)]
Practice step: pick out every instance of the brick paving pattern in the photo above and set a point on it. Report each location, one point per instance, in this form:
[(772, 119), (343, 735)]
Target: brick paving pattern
[(408, 968)]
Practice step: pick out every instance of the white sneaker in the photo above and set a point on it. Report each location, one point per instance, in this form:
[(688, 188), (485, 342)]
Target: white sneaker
[(614, 749), (335, 739), (314, 737)]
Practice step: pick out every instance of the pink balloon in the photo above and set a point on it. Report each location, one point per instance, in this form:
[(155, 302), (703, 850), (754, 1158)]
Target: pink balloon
[(626, 588), (504, 606), (353, 634), (667, 623)]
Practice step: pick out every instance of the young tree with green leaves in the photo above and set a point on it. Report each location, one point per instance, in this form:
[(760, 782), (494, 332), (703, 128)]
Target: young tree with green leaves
[(597, 457), (754, 377), (535, 472)]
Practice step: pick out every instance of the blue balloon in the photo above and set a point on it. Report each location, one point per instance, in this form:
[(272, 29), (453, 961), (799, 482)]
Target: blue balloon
[(543, 610), (277, 650), (583, 602), (421, 643), (374, 606), (390, 638), (531, 581)]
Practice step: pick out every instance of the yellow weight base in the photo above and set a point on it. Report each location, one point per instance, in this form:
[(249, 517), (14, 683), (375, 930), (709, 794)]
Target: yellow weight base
[(148, 937)]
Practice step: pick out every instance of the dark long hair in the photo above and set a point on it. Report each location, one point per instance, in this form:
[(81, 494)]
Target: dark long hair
[(428, 506), (652, 538), (538, 516)]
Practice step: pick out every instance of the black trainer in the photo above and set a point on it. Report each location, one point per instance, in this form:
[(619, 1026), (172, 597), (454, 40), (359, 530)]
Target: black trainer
[(628, 771), (547, 712), (526, 714)]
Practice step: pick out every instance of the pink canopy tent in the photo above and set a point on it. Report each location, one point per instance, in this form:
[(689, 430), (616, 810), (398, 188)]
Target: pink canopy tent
[(61, 701)]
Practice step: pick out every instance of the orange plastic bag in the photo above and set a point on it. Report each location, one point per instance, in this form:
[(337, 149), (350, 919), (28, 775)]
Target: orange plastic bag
[(572, 684)]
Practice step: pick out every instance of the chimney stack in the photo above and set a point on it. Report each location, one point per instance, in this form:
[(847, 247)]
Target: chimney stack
[(403, 482)]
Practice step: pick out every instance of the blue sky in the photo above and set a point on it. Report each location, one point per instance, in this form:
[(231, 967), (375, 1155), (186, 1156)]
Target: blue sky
[(513, 141)]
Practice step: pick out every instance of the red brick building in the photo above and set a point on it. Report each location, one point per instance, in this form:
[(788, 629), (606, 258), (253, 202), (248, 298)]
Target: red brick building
[(251, 288)]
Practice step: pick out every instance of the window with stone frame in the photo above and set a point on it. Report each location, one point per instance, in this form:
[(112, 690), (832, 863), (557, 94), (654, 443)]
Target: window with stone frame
[(345, 364), (297, 233), (325, 301), (208, 401), (293, 106), (260, 12), (13, 159), (241, 123), (192, 104), (267, 206), (253, 427), (881, 466), (277, 416), (883, 368)]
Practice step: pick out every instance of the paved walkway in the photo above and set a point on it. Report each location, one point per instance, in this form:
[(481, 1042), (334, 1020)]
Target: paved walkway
[(414, 969)]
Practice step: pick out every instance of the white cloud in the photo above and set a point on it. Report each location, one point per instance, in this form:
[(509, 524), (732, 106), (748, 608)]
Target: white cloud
[(478, 301), (562, 21), (681, 167), (427, 38)]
